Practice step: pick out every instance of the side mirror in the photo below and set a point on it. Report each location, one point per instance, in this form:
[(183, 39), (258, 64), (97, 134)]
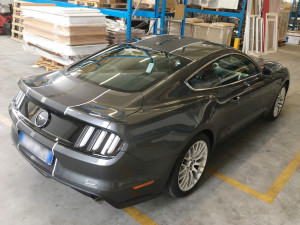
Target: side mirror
[(267, 72)]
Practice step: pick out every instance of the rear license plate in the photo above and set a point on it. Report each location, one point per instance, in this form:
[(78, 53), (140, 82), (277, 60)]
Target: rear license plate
[(36, 148)]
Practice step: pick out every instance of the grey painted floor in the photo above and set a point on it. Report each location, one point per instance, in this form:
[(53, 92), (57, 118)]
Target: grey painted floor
[(256, 157)]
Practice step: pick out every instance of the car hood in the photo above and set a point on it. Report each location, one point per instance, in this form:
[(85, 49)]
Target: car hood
[(75, 97), (261, 62)]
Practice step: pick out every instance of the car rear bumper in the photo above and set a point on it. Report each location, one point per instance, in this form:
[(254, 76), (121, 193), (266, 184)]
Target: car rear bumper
[(110, 179)]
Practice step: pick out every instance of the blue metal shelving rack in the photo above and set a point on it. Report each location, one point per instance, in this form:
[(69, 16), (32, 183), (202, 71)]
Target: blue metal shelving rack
[(228, 14), (295, 15), (142, 13), (127, 14)]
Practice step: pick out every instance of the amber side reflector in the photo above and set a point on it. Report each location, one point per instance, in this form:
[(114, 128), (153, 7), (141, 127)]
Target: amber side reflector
[(143, 185)]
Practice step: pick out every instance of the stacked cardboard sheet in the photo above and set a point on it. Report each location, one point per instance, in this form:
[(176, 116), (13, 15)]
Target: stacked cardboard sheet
[(63, 34), (293, 37)]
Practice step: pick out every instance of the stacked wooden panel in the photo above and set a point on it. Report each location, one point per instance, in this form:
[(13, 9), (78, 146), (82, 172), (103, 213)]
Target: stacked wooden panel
[(63, 35)]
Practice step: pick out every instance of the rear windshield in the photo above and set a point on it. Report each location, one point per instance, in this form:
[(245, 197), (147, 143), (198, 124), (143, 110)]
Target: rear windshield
[(127, 68)]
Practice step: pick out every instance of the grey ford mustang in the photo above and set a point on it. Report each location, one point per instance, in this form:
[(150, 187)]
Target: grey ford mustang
[(142, 116)]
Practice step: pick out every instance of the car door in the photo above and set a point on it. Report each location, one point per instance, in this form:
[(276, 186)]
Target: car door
[(241, 93)]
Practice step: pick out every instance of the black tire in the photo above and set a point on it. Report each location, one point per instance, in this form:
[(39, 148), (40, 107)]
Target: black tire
[(173, 186), (275, 111)]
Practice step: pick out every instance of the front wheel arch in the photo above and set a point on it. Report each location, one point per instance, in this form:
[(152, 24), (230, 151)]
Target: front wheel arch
[(209, 134), (287, 84)]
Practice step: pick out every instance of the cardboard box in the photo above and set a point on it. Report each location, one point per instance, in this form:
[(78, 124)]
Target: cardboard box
[(293, 37), (216, 32), (179, 11)]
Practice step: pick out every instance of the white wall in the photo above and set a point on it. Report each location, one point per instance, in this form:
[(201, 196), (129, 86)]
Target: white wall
[(5, 2)]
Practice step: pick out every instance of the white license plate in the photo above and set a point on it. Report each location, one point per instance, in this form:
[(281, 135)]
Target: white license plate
[(36, 148)]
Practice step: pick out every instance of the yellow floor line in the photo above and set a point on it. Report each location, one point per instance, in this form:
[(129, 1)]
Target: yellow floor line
[(139, 216), (237, 184), (273, 191), (281, 181), (5, 120)]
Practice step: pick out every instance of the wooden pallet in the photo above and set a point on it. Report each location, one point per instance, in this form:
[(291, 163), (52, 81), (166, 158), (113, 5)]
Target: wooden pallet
[(281, 42), (50, 65), (17, 35), (151, 7), (102, 3), (114, 1), (209, 8), (114, 5), (93, 3), (17, 23)]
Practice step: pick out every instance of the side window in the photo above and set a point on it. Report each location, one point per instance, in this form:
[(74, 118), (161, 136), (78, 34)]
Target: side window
[(205, 78), (233, 68)]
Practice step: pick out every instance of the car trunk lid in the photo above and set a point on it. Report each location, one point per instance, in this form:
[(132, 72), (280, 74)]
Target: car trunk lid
[(80, 99)]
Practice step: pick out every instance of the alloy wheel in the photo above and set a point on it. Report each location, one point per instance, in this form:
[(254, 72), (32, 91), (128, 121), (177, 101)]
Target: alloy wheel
[(192, 165), (279, 102)]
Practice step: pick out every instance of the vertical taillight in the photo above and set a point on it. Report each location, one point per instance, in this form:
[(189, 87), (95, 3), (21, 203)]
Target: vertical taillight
[(101, 142), (113, 145), (19, 99), (84, 136)]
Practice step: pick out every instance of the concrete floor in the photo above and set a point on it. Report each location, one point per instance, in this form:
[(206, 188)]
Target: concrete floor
[(256, 157)]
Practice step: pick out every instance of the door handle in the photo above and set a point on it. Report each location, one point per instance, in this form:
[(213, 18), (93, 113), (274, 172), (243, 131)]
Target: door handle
[(247, 84), (236, 98)]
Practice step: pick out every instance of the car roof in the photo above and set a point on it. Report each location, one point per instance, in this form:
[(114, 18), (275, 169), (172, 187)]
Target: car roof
[(187, 47)]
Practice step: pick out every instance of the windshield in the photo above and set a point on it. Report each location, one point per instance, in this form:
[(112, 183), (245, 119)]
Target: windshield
[(127, 68)]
